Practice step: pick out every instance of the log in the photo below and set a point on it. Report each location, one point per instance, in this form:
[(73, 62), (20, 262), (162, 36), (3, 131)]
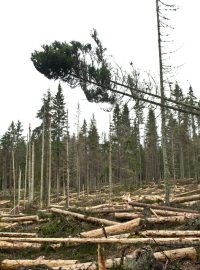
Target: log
[(103, 240), (177, 254), (163, 207), (84, 217), (165, 220), (7, 225), (16, 234), (16, 264), (195, 191), (186, 199), (112, 210), (128, 216), (169, 233), (18, 246), (114, 229), (173, 213), (20, 219)]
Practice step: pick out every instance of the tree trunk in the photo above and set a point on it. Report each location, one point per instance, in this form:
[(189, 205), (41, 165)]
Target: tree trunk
[(114, 229), (168, 233), (84, 218), (49, 168), (186, 199), (16, 264), (19, 188), (17, 234), (14, 181), (103, 240), (42, 169), (162, 207)]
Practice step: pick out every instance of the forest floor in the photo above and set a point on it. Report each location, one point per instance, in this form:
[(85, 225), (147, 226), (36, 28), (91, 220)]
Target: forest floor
[(53, 225)]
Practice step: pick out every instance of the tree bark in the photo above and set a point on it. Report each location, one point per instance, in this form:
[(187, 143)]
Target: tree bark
[(128, 216), (18, 246), (162, 207), (19, 219), (103, 240), (114, 229), (84, 217), (168, 233), (16, 264), (16, 234), (186, 199)]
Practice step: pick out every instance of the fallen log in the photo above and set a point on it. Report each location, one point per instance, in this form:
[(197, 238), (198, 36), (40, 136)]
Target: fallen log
[(165, 220), (169, 233), (163, 207), (176, 254), (195, 191), (128, 216), (112, 210), (20, 218), (104, 240), (173, 213), (114, 229), (18, 246), (16, 234), (186, 199), (7, 225), (16, 264), (84, 217)]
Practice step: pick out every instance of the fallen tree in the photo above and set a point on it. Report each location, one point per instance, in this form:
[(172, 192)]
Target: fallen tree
[(169, 233), (20, 218), (195, 191), (114, 229), (163, 207), (186, 199), (16, 264), (16, 234), (104, 240), (5, 245), (84, 217)]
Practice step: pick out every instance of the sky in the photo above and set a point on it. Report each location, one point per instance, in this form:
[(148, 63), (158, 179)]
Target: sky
[(127, 29)]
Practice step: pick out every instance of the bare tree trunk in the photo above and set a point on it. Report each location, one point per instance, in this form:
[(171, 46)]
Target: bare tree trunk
[(14, 181), (163, 116), (32, 171), (19, 187), (49, 168), (110, 161), (26, 172), (67, 158), (29, 165), (77, 153), (42, 169)]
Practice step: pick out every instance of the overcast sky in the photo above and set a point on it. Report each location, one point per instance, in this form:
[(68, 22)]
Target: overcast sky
[(127, 28)]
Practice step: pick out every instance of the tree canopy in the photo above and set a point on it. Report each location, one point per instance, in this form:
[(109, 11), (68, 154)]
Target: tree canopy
[(79, 64)]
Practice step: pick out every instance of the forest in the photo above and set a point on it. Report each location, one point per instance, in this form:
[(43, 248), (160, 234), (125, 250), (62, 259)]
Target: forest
[(127, 198)]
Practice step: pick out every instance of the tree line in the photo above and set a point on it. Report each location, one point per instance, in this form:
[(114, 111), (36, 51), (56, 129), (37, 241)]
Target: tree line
[(50, 160)]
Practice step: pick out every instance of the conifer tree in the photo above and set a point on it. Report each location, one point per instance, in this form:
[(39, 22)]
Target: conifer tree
[(58, 128), (93, 151), (151, 148)]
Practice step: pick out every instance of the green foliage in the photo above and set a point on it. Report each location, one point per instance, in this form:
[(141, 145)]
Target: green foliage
[(78, 64)]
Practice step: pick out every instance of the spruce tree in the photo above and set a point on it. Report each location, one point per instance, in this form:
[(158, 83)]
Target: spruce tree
[(58, 128)]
